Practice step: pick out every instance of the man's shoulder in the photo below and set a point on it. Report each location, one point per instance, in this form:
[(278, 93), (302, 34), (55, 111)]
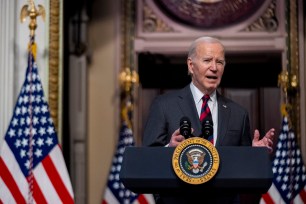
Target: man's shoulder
[(174, 93)]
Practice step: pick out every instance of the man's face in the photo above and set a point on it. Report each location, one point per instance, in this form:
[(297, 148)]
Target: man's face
[(207, 66)]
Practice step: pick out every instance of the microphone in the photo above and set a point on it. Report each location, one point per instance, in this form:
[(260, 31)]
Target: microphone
[(207, 128), (185, 127)]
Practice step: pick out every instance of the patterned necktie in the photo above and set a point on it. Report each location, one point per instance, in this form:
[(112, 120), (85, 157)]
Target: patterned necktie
[(206, 114)]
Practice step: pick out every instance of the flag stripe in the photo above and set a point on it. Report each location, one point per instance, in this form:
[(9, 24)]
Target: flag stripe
[(37, 193), (274, 194), (150, 198), (303, 195), (142, 200), (5, 193), (13, 167), (47, 188), (10, 183), (109, 198), (57, 181), (59, 162), (267, 198), (298, 200)]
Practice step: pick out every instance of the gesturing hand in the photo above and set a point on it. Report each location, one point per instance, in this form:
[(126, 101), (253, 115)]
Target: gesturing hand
[(266, 141)]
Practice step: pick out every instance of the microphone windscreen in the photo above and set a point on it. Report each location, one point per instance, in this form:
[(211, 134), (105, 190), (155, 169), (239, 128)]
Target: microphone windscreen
[(185, 127), (207, 128)]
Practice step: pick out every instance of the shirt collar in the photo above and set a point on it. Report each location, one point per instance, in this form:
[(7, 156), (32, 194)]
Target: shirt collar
[(197, 94)]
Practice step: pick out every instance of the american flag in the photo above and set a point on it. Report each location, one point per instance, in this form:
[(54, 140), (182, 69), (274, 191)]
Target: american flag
[(115, 191), (289, 177), (32, 166)]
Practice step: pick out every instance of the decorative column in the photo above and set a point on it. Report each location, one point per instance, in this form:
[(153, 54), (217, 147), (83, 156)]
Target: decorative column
[(7, 81)]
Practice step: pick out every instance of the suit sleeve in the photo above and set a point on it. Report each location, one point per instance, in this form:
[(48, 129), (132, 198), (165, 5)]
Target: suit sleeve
[(246, 139), (156, 128)]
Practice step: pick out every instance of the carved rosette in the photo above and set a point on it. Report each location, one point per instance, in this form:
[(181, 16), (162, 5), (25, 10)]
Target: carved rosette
[(267, 22)]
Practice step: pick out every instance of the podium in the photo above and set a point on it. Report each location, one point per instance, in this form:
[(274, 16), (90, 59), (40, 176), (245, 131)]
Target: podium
[(241, 170)]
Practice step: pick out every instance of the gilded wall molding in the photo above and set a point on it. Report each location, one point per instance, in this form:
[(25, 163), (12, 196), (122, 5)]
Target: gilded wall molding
[(293, 65), (54, 60)]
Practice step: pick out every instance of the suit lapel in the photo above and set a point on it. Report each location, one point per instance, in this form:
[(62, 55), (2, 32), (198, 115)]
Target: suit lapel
[(223, 118), (188, 108)]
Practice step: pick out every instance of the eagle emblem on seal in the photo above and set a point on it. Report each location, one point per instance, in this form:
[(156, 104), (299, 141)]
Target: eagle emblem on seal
[(195, 161)]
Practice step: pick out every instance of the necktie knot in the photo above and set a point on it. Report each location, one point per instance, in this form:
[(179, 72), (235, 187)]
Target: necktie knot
[(205, 97)]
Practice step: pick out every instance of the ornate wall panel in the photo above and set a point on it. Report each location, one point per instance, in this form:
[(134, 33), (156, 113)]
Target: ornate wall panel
[(209, 14), (169, 26)]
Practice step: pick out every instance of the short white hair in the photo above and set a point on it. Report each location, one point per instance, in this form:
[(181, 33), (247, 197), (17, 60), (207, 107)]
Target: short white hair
[(204, 39)]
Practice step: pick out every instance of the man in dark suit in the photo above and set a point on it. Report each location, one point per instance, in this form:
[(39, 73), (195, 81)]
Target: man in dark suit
[(206, 63)]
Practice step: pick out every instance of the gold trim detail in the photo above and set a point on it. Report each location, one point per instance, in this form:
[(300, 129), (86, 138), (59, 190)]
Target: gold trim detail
[(195, 160), (54, 60)]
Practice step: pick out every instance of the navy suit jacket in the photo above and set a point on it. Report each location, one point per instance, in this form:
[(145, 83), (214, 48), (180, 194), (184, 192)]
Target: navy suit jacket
[(167, 110)]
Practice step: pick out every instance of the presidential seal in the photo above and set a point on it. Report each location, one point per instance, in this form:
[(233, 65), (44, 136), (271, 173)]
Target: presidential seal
[(195, 160)]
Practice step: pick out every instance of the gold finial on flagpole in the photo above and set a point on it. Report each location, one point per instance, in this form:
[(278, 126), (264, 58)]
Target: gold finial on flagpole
[(128, 78), (288, 84), (283, 81), (31, 11)]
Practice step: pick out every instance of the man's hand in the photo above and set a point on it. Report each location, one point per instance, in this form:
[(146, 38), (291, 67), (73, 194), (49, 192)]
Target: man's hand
[(266, 141), (176, 138)]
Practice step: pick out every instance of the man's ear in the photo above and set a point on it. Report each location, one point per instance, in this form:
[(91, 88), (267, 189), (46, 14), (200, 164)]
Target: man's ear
[(189, 64)]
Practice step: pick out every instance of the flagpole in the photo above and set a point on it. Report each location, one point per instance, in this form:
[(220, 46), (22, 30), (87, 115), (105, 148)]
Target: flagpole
[(288, 81), (29, 10), (128, 76)]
